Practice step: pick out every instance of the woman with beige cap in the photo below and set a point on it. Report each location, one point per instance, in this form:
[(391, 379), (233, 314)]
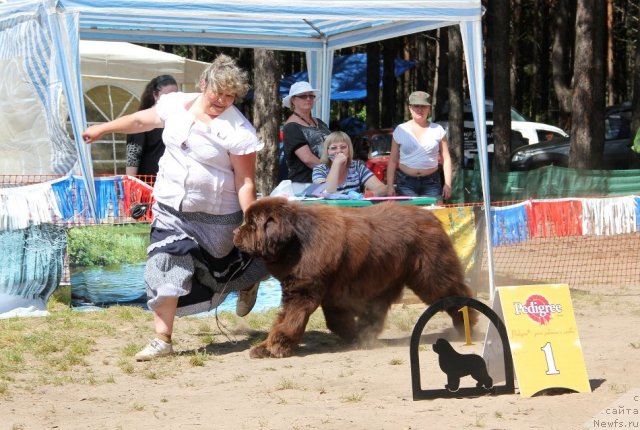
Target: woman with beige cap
[(416, 148), (303, 134)]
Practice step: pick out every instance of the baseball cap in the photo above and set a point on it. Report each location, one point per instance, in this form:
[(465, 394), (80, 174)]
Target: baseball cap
[(419, 98)]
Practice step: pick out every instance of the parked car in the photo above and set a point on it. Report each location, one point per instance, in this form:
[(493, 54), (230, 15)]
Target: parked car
[(617, 145), (524, 131)]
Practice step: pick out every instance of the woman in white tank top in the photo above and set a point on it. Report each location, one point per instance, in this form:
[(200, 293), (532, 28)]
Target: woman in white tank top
[(416, 149)]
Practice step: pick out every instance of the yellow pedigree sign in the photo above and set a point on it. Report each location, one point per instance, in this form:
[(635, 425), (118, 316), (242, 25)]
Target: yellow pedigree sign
[(543, 336)]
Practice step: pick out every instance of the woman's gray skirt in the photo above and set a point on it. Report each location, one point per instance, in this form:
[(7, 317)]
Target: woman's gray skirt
[(192, 257)]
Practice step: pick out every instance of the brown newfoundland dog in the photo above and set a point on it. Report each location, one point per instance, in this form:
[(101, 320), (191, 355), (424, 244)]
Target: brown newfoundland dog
[(353, 262)]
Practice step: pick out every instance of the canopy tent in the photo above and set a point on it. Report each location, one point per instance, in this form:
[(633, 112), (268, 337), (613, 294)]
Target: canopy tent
[(131, 67), (317, 27), (114, 76), (25, 127), (348, 77)]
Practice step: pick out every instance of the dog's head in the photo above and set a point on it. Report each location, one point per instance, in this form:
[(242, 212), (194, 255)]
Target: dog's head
[(442, 346), (268, 228)]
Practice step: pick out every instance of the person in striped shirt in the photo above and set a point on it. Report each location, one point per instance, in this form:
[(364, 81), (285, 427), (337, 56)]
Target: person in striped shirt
[(340, 172)]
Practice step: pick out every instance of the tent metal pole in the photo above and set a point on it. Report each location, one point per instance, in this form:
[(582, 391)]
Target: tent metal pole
[(472, 41)]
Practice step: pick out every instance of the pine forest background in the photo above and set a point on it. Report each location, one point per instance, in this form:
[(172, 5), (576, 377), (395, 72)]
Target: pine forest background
[(564, 61)]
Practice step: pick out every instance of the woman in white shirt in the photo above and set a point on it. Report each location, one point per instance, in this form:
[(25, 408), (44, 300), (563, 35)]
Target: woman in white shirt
[(416, 148), (206, 180)]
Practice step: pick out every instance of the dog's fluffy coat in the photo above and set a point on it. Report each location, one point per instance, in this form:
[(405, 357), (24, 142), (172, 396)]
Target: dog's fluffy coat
[(354, 262)]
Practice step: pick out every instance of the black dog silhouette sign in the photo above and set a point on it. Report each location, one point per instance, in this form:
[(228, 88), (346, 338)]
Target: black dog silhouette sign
[(456, 365)]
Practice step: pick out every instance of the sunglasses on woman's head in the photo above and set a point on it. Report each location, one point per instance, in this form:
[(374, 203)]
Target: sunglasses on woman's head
[(306, 96)]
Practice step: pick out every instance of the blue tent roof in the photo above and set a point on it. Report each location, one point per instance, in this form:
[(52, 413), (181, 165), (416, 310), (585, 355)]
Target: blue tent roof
[(349, 77)]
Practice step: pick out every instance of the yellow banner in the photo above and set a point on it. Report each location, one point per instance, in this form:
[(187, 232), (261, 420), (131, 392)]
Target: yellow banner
[(459, 223), (543, 337)]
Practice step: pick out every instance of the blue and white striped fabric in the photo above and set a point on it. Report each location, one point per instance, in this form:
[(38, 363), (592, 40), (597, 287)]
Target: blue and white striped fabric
[(44, 44), (25, 37), (301, 25), (33, 267), (63, 191), (317, 27), (510, 224)]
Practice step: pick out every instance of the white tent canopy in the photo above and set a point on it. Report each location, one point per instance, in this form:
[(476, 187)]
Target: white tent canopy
[(317, 27), (131, 67)]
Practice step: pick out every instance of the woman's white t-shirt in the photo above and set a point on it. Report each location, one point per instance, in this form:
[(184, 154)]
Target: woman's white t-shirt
[(195, 173), (419, 154)]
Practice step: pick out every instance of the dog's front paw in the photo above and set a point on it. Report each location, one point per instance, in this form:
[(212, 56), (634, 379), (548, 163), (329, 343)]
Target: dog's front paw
[(264, 350), (260, 351)]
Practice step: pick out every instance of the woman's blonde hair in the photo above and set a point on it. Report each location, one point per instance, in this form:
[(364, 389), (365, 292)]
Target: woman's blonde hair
[(335, 137), (223, 74)]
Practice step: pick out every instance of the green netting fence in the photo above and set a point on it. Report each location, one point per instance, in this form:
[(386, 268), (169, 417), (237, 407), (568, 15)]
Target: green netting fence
[(545, 183)]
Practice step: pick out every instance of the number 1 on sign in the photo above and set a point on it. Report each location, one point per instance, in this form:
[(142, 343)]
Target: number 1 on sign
[(467, 326), (551, 362)]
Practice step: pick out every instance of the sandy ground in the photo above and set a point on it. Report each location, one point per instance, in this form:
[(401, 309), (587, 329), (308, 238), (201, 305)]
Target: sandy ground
[(328, 385)]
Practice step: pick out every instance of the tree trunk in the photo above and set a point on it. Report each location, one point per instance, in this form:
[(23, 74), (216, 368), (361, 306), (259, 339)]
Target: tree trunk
[(626, 18), (599, 82), (541, 105), (580, 153), (487, 29), (422, 57), (561, 59), (635, 119), (266, 117), (500, 12), (389, 83), (441, 83), (519, 81), (373, 85), (612, 83), (456, 97)]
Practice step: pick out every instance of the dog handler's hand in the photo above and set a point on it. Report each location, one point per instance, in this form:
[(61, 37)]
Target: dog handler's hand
[(91, 134)]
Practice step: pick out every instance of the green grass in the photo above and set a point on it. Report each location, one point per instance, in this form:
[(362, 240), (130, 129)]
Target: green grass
[(105, 245), (97, 348)]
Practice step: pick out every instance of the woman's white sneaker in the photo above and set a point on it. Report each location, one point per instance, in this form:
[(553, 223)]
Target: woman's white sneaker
[(156, 348)]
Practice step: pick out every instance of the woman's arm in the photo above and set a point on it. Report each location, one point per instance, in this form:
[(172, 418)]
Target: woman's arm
[(131, 170), (296, 145), (307, 157), (376, 186), (394, 158), (244, 171), (338, 164), (446, 167), (136, 122)]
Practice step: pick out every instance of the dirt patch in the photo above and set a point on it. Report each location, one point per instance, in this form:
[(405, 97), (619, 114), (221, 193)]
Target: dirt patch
[(212, 383)]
